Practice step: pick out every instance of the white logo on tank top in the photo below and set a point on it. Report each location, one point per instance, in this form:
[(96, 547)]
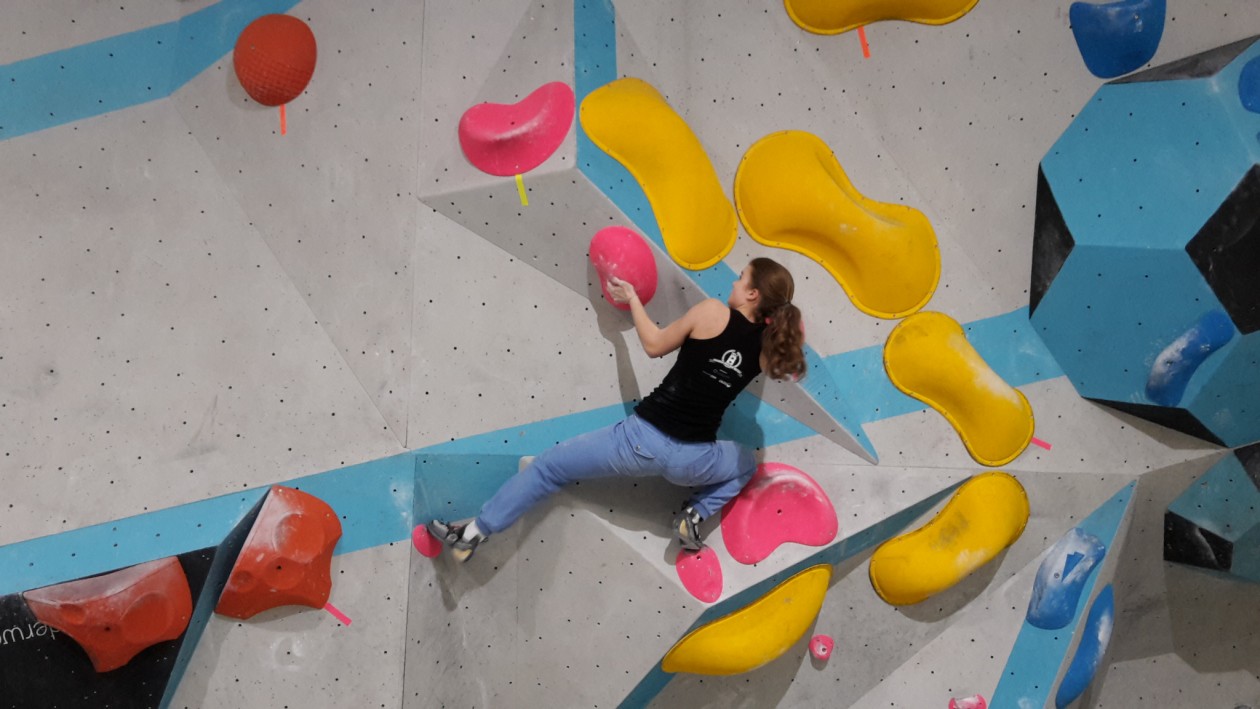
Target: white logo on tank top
[(731, 360)]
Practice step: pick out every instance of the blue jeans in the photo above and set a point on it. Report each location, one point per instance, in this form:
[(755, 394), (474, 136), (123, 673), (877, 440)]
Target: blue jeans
[(631, 448)]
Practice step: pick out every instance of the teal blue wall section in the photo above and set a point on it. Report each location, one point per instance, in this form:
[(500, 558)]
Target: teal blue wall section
[(1034, 661)]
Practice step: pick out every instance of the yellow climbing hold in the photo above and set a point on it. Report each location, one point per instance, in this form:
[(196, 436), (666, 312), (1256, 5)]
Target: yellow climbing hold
[(791, 193), (986, 515), (832, 17), (756, 634), (927, 356), (630, 120)]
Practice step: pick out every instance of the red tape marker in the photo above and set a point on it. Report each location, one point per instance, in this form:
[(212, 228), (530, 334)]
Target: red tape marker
[(283, 127), (345, 619), (866, 48), (1038, 442)]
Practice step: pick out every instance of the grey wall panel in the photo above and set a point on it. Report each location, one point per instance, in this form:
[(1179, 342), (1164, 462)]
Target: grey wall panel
[(334, 198), (32, 27), (155, 353)]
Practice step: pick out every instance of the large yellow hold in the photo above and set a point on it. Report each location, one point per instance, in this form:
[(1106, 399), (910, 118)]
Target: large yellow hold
[(986, 515), (927, 356), (832, 17), (630, 120), (756, 634), (792, 193)]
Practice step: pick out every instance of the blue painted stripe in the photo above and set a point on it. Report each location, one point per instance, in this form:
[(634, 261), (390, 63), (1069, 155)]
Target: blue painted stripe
[(1035, 659), (375, 498), (122, 71)]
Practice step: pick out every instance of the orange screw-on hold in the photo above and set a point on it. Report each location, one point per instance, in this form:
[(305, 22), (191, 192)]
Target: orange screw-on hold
[(287, 557), (117, 615)]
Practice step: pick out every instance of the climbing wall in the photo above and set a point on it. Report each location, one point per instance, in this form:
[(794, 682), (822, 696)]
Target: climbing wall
[(204, 296)]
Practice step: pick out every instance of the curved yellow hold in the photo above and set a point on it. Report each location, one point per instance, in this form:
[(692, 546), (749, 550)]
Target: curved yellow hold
[(832, 17), (791, 193), (756, 634), (986, 515), (927, 356), (630, 120)]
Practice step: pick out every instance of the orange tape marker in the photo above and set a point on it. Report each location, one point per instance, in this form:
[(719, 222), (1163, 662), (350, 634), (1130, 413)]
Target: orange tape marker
[(866, 48), (345, 620), (282, 125)]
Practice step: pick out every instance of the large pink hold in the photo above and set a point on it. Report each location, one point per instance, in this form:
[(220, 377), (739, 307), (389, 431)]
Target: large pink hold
[(780, 504), (618, 251), (700, 573), (513, 138)]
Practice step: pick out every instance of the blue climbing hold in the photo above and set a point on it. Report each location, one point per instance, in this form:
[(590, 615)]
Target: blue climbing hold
[(1249, 85), (1116, 38), (1089, 654), (1177, 363), (1061, 577)]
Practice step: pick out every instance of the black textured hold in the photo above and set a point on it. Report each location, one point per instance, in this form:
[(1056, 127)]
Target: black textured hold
[(1174, 418), (1198, 66), (1052, 242), (1187, 543), (1227, 252)]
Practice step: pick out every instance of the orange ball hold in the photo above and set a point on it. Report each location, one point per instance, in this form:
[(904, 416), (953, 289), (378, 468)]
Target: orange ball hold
[(274, 58), (117, 615), (287, 558)]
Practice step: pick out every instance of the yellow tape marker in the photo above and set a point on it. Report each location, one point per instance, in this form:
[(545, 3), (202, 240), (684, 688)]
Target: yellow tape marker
[(520, 188), (630, 120), (831, 17), (927, 356), (756, 634), (986, 515), (791, 193)]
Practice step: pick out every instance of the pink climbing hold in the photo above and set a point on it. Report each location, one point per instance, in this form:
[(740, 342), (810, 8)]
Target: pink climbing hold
[(514, 138), (700, 573), (618, 251), (820, 646), (780, 504), (424, 542), (975, 701)]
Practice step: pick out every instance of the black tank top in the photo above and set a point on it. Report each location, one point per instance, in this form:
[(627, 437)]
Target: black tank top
[(705, 379)]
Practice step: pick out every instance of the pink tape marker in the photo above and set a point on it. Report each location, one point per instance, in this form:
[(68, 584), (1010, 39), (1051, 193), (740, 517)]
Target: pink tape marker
[(1040, 443), (345, 619)]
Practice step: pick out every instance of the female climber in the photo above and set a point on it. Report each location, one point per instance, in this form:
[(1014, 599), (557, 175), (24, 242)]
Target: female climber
[(673, 431)]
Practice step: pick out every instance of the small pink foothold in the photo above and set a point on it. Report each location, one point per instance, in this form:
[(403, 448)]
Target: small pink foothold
[(975, 701), (780, 504), (618, 251), (700, 573), (511, 139), (820, 646), (424, 542)]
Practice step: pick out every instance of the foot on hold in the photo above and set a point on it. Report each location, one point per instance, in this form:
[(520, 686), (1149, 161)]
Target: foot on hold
[(452, 535), (687, 529)]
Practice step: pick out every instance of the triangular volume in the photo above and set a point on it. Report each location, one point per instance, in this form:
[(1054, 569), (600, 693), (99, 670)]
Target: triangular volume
[(1038, 655), (40, 666), (221, 560), (1196, 67)]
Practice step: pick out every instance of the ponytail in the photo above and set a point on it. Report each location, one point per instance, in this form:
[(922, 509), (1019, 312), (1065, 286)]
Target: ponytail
[(783, 342)]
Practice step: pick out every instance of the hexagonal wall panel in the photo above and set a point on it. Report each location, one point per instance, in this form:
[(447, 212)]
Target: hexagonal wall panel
[(1146, 243)]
